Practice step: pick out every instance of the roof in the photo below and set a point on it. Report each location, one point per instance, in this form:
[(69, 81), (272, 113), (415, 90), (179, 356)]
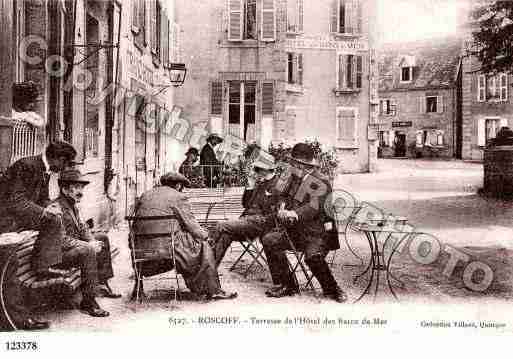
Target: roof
[(436, 64)]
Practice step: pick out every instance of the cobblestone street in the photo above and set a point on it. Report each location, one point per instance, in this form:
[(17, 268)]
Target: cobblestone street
[(437, 197)]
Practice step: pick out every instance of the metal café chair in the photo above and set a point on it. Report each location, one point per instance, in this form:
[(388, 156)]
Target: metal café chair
[(146, 248)]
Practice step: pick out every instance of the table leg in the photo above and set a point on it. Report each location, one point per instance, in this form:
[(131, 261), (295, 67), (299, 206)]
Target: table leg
[(371, 264), (371, 260), (389, 274), (378, 267)]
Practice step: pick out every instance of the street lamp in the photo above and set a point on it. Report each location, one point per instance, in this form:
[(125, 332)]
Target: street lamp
[(177, 73)]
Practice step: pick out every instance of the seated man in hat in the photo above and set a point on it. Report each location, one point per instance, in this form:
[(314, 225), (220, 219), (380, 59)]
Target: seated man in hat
[(191, 253), (80, 248), (190, 171), (212, 167), (258, 216), (302, 192)]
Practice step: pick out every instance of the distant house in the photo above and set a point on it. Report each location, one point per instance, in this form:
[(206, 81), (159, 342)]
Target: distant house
[(486, 107), (418, 98)]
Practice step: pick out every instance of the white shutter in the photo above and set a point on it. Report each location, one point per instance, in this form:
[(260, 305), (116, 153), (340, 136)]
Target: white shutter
[(439, 104), (383, 106), (300, 15), (393, 103), (348, 11), (422, 104), (347, 126), (504, 122), (481, 141), (503, 87), (391, 137), (268, 27), (428, 138), (153, 26), (439, 137), (334, 15), (235, 20), (481, 88), (340, 64), (418, 139)]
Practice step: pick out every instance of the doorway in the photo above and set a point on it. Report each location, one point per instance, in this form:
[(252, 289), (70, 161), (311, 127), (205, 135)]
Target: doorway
[(400, 145), (242, 110)]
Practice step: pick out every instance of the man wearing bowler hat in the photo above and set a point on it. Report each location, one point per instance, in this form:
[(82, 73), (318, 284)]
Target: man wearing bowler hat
[(80, 248), (302, 192), (212, 168), (259, 210)]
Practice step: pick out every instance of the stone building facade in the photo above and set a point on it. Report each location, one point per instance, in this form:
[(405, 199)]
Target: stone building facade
[(418, 99), (271, 71), (109, 105)]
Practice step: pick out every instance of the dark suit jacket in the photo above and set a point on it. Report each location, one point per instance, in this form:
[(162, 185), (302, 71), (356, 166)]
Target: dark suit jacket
[(25, 191), (259, 200), (76, 230), (312, 214), (208, 158)]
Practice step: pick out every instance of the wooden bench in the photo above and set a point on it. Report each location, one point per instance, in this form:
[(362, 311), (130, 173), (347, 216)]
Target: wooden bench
[(70, 279)]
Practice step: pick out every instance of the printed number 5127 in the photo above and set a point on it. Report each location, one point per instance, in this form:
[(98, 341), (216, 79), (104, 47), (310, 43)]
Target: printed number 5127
[(21, 346)]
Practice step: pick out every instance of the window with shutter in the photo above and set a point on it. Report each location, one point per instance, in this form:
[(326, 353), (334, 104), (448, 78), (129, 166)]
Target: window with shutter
[(431, 103), (346, 17), (268, 98), (349, 72), (294, 68), (346, 121), (268, 20), (216, 98)]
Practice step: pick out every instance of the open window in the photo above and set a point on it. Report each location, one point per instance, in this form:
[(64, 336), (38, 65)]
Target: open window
[(492, 88), (294, 16), (244, 23), (349, 72), (294, 68), (346, 17)]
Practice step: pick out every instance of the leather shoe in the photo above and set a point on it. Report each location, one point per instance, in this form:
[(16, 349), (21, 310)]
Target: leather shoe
[(222, 295), (93, 309), (34, 324), (338, 296), (282, 291)]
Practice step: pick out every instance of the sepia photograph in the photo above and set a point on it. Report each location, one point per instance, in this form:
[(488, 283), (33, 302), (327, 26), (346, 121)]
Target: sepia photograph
[(253, 169)]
